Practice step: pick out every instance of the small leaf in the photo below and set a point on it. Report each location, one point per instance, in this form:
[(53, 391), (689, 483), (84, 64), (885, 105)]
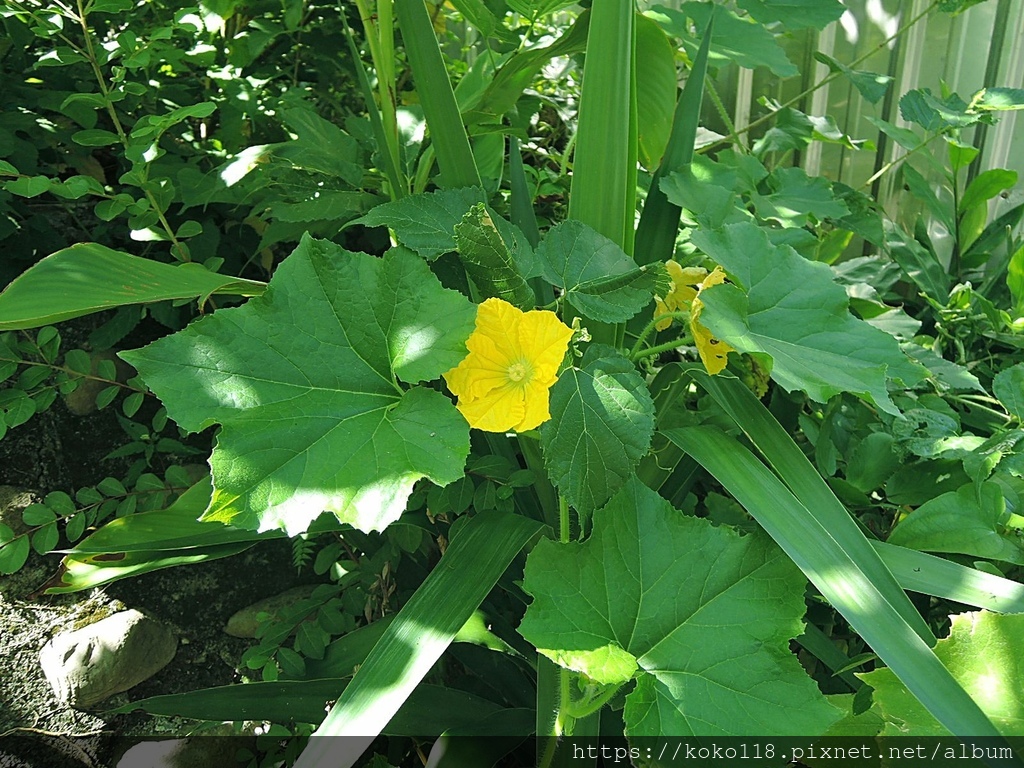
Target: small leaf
[(94, 137), (37, 514), (60, 503), (987, 185), (1008, 387), (75, 526), (106, 396), (602, 421), (111, 486), (599, 279), (425, 223), (488, 261), (46, 538), (872, 86), (13, 555), (131, 404), (28, 186)]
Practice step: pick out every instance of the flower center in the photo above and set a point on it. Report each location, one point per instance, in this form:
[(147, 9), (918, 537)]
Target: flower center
[(517, 372)]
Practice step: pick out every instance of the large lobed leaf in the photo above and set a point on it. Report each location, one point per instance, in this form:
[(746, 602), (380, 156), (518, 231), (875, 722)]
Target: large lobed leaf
[(304, 381), (700, 615), (601, 426), (792, 312), (982, 653)]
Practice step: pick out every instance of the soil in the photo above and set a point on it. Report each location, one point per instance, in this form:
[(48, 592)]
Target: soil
[(59, 450)]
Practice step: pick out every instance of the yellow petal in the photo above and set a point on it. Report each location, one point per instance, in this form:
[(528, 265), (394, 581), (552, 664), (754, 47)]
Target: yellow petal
[(713, 352), (544, 340), (498, 321), (536, 410), (661, 309), (499, 410)]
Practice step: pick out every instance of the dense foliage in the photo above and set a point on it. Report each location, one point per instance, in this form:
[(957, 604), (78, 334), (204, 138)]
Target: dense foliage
[(586, 429)]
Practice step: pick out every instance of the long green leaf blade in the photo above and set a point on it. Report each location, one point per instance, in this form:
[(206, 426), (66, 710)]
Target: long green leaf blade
[(659, 221), (447, 132), (599, 195), (839, 576), (785, 457), (931, 575), (89, 277), (420, 633)]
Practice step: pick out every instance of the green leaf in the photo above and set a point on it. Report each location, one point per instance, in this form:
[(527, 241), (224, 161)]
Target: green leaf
[(659, 221), (934, 114), (656, 91), (797, 317), (872, 86), (598, 278), (14, 554), (741, 40), (931, 575), (905, 137), (700, 615), (982, 653), (321, 147), (602, 421), (985, 186), (919, 263), (323, 206), (304, 384), (88, 278), (796, 198), (488, 261), (447, 131), (1008, 386), (603, 185), (28, 186), (430, 709), (832, 559), (425, 223), (94, 137), (962, 523), (794, 14), (1000, 99), (922, 190), (424, 627)]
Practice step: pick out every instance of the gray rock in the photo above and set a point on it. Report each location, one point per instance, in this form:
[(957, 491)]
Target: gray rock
[(92, 663), (13, 501), (82, 400), (245, 622), (194, 752)]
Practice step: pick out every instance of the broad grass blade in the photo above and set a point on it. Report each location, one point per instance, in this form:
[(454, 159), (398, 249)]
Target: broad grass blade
[(659, 221), (447, 132), (418, 635)]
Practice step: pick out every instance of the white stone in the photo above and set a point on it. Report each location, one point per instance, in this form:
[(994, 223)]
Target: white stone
[(93, 663)]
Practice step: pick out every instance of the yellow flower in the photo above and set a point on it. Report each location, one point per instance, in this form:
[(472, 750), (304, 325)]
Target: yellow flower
[(687, 283), (713, 352), (513, 361)]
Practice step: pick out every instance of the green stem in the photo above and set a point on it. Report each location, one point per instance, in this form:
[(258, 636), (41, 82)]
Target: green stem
[(659, 348), (650, 327), (582, 709), (893, 163)]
